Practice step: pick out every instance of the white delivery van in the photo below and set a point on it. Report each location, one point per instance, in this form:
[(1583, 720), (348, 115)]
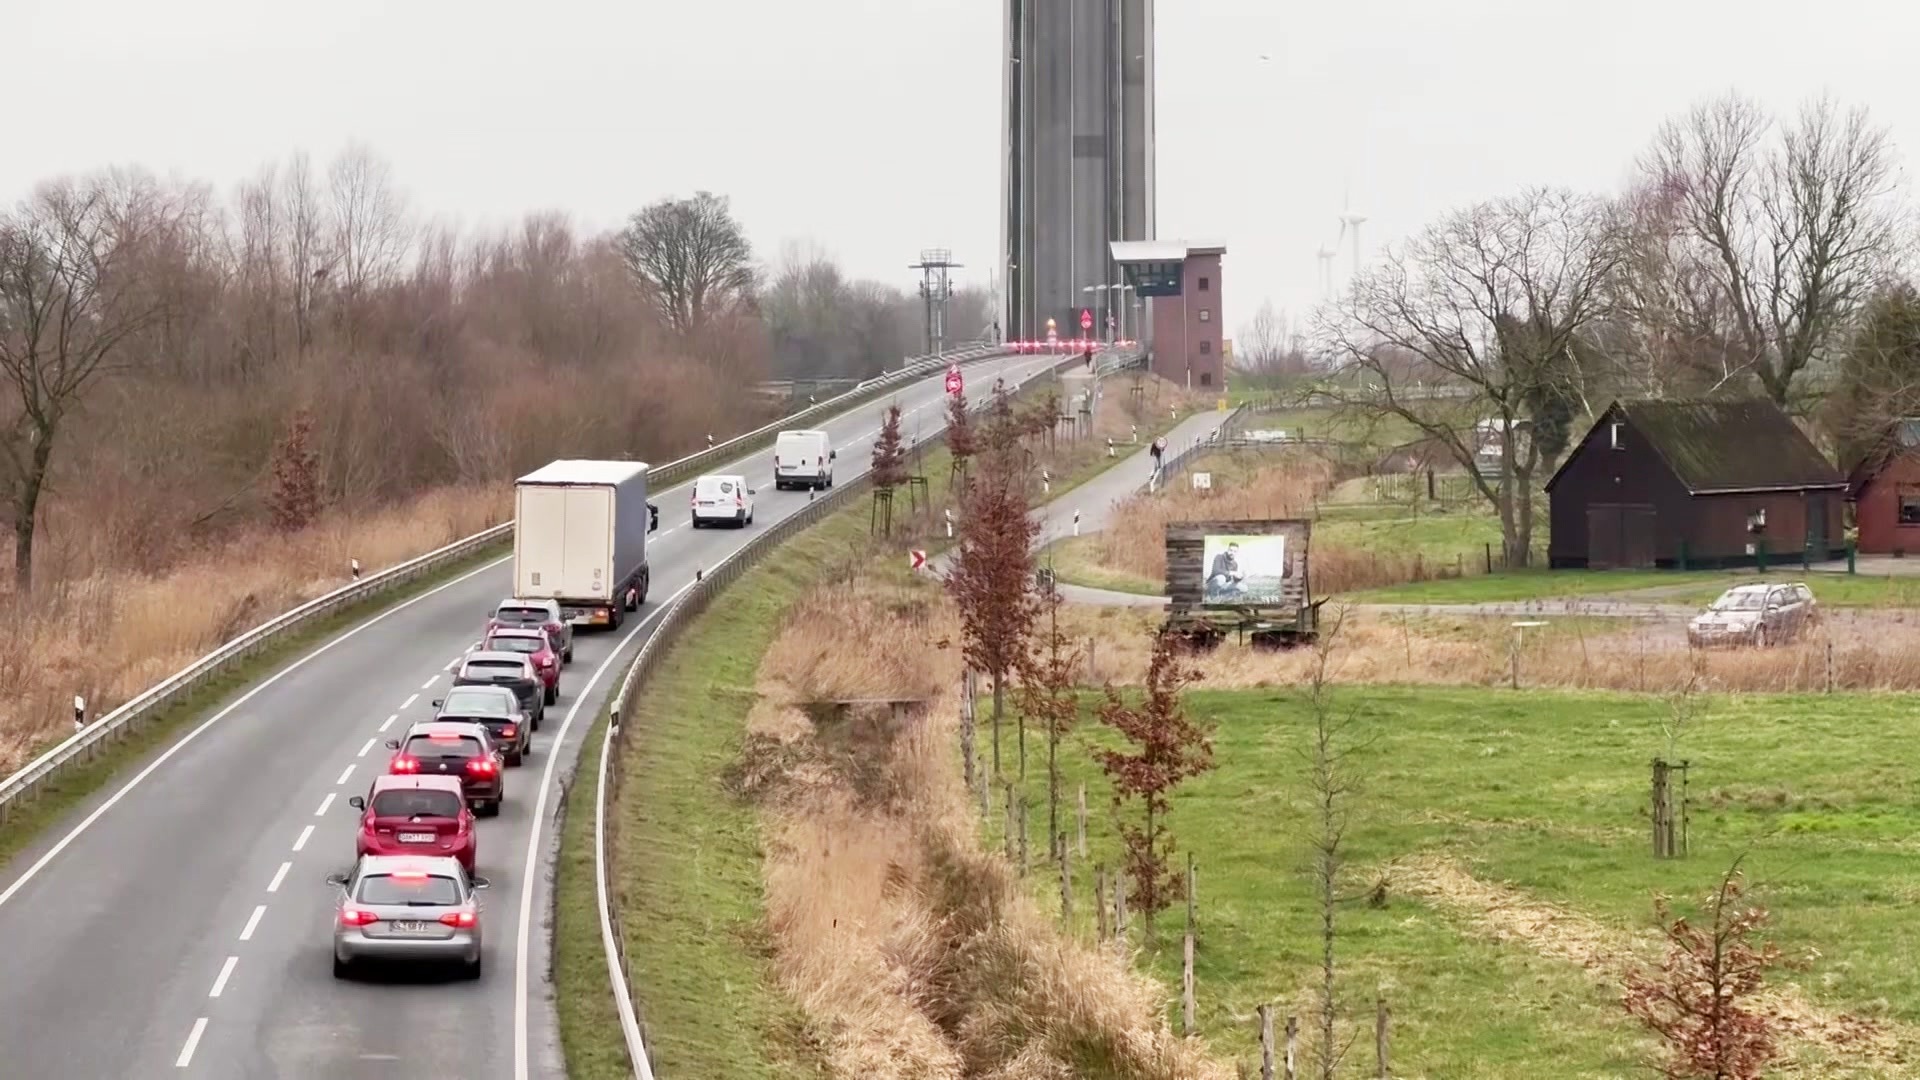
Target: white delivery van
[(802, 459), (719, 499)]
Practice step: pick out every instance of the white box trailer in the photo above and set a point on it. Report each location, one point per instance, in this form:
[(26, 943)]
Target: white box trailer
[(580, 538)]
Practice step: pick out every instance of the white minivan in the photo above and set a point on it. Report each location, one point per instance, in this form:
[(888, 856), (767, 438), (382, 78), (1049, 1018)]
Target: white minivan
[(722, 498), (802, 459)]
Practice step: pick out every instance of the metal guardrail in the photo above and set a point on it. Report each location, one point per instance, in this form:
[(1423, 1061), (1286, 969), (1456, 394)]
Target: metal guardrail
[(83, 745), (687, 606), (1219, 438)]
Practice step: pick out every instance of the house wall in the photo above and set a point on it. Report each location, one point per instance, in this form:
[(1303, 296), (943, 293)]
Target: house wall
[(1720, 535), (1877, 509), (1185, 340), (1709, 529)]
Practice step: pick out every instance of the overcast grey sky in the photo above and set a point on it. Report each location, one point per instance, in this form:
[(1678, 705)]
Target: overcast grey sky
[(871, 126)]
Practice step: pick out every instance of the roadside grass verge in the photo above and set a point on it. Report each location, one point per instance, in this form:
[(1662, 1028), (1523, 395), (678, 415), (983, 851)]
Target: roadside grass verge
[(689, 890), (59, 796), (1543, 793), (1523, 585)]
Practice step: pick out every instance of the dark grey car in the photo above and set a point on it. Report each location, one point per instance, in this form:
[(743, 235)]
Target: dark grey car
[(495, 708), (510, 670)]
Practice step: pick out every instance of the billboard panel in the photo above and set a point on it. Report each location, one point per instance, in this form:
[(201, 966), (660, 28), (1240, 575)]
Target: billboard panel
[(1238, 564), (1243, 569)]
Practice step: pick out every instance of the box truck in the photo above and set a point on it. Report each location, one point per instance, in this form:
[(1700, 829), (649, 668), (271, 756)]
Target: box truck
[(580, 538)]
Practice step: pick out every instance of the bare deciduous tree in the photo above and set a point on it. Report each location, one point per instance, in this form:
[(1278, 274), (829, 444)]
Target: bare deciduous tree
[(369, 225), (309, 258), (1794, 235), (1474, 325), (692, 256), (1269, 347), (1879, 376), (68, 302)]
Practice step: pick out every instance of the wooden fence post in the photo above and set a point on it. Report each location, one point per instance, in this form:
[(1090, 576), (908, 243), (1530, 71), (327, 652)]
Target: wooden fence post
[(1266, 1042), (1007, 830), (1083, 821), (1293, 1047), (1120, 909), (1193, 922), (1100, 901), (1066, 884), (1025, 864), (1186, 985), (1380, 1035)]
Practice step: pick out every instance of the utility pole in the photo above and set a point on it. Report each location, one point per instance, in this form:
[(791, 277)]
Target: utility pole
[(935, 291)]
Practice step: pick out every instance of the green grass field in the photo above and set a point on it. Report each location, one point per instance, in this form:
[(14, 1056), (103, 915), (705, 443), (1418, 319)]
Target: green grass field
[(1690, 587), (1546, 792)]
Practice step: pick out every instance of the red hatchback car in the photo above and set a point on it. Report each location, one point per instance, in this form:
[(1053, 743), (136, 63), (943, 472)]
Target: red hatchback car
[(416, 815), (533, 644)]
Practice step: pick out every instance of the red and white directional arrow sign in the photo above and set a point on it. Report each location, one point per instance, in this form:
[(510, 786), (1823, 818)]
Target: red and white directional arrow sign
[(919, 559), (953, 380)]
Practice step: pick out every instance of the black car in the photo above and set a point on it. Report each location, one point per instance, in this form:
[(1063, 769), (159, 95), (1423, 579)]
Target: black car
[(511, 670), (494, 708), (453, 748)]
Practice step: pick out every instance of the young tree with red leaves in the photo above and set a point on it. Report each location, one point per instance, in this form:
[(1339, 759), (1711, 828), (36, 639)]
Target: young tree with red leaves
[(1167, 748), (295, 499), (961, 444), (992, 576), (889, 463), (1701, 1002), (1047, 695)]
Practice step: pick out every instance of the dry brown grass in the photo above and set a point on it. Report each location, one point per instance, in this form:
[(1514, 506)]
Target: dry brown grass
[(1871, 651), (914, 952), (109, 636)]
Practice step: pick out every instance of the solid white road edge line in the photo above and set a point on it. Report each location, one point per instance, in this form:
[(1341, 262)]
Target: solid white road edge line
[(252, 922), (100, 811), (539, 824), (193, 1040)]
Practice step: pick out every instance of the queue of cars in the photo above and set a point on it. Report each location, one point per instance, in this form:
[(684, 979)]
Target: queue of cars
[(411, 895)]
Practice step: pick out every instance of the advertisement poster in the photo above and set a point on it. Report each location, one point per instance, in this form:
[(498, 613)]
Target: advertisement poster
[(1244, 569)]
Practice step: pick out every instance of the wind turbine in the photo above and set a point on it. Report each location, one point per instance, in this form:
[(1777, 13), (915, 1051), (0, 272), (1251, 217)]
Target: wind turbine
[(1350, 223), (1325, 255)]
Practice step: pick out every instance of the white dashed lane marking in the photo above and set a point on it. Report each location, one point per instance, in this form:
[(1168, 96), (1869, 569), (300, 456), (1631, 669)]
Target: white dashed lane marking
[(389, 721), (279, 876), (252, 922), (226, 972), (349, 772), (408, 704), (193, 1040), (369, 746), (302, 842), (324, 805)]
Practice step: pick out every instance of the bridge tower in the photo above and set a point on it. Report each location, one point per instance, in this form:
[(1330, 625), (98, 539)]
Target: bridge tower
[(1077, 159)]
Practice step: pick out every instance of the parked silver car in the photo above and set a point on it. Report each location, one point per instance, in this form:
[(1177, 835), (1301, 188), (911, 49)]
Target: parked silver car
[(407, 908), (1763, 613)]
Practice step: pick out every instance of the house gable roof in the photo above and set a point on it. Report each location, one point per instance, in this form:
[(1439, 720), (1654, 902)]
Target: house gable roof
[(1721, 447), (1902, 437)]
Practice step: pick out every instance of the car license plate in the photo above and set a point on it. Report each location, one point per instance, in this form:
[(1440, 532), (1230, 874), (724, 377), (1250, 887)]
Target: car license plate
[(416, 838), (411, 926)]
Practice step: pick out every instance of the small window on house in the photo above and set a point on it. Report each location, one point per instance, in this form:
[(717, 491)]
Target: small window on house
[(1206, 347), (1757, 520), (1203, 284), (1616, 432), (1206, 378), (1205, 315), (1910, 507)]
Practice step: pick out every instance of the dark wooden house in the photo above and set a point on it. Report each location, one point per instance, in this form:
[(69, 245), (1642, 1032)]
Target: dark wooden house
[(1885, 490), (1694, 483)]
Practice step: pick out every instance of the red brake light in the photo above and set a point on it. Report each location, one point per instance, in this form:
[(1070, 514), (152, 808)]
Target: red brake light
[(480, 766), (404, 763), (410, 875), (460, 918), (354, 916), (441, 736), (509, 731)]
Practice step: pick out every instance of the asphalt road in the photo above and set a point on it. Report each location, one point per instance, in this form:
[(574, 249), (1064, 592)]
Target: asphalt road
[(179, 923)]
